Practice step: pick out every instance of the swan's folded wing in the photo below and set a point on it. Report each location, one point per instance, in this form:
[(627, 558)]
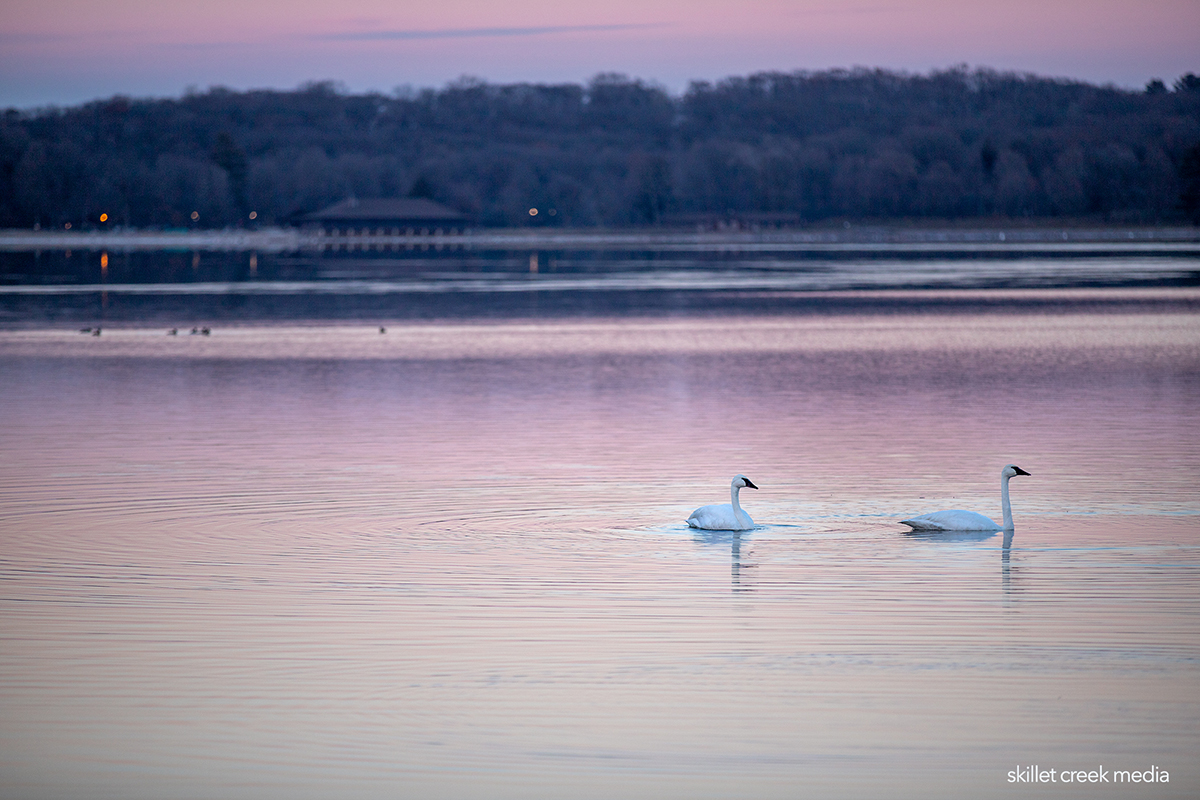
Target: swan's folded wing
[(921, 524), (700, 516), (954, 520), (714, 518)]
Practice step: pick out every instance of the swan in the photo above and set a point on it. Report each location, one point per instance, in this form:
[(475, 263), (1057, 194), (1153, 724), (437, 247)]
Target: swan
[(726, 516), (959, 520)]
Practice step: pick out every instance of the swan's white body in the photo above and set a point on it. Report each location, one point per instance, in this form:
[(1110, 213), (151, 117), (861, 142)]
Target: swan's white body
[(728, 516), (958, 520)]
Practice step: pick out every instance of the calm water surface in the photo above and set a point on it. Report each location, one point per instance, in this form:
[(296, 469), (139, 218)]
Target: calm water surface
[(449, 561)]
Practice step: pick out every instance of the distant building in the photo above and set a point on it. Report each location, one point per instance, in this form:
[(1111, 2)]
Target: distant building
[(386, 216)]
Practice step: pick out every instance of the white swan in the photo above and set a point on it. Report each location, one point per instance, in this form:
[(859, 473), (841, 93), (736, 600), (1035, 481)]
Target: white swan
[(958, 520), (726, 516)]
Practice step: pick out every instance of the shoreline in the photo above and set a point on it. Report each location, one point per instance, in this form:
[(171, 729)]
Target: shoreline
[(1176, 238)]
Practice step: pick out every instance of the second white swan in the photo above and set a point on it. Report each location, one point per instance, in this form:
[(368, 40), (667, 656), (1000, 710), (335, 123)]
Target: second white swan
[(726, 516), (959, 520)]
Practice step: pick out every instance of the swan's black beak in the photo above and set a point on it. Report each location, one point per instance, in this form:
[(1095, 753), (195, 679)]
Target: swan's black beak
[(749, 483), (1019, 470)]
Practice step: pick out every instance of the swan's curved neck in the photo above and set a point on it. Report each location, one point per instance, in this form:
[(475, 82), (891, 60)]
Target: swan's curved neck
[(733, 497), (1005, 507)]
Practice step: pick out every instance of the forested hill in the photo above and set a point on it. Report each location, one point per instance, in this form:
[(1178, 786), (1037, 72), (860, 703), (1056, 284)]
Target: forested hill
[(773, 146)]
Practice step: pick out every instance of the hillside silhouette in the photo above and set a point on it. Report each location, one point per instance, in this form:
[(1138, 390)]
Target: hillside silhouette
[(770, 148)]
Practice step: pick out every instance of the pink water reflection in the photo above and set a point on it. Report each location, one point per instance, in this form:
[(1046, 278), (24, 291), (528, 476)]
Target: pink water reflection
[(451, 561)]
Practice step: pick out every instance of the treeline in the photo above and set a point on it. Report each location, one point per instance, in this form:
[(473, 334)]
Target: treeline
[(801, 146)]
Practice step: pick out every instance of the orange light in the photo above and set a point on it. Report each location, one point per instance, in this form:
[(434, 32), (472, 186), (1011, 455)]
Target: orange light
[(104, 217), (104, 261), (67, 226), (533, 212), (195, 216), (253, 215)]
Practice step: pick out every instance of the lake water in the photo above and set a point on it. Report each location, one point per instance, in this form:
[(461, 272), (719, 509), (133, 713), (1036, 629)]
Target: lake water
[(294, 559)]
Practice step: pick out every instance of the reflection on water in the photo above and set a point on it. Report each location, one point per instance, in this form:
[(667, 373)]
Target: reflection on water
[(731, 541), (753, 277), (954, 536), (451, 560), (959, 537), (1006, 563)]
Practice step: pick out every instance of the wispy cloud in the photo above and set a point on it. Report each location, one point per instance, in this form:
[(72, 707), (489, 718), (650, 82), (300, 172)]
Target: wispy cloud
[(14, 37), (471, 33)]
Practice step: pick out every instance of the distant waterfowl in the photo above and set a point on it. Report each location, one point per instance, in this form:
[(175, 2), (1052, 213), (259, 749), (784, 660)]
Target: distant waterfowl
[(96, 332), (85, 330), (173, 332), (958, 520), (205, 331), (382, 329), (726, 516), (194, 331)]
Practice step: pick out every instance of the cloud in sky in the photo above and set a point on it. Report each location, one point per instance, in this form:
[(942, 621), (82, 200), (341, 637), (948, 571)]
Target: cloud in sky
[(473, 33), (64, 51)]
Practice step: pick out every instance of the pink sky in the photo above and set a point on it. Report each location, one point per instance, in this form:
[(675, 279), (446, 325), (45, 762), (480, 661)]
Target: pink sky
[(66, 51)]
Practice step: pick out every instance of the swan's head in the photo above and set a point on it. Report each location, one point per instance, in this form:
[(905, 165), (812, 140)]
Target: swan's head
[(1011, 471), (742, 482)]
